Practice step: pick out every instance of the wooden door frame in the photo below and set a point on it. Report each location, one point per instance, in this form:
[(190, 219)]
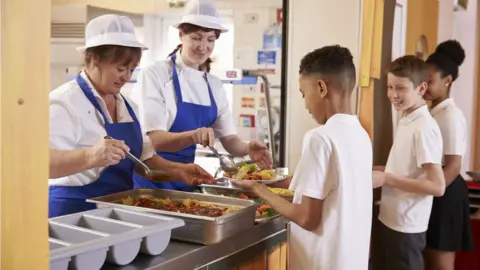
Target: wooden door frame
[(475, 162), (24, 154)]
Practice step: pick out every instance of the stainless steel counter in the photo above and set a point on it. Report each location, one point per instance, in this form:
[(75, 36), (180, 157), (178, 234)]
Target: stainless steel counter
[(185, 256)]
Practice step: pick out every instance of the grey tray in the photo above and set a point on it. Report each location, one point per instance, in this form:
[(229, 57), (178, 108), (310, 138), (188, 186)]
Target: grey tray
[(222, 191), (86, 240), (475, 176), (219, 191), (197, 229)]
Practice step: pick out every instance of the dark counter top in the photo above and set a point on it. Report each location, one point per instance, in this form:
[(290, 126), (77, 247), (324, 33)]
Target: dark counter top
[(182, 255)]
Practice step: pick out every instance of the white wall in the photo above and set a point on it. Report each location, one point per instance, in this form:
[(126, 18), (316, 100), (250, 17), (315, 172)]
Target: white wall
[(463, 92), (461, 25), (445, 20), (314, 24), (248, 41)]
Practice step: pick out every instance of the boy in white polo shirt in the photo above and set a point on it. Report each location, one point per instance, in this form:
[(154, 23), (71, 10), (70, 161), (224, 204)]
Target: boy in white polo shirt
[(332, 206), (413, 174)]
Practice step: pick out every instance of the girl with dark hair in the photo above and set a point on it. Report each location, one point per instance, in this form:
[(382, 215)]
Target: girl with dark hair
[(182, 104), (449, 226)]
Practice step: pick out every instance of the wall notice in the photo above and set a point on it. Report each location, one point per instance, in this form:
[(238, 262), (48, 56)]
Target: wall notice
[(266, 57)]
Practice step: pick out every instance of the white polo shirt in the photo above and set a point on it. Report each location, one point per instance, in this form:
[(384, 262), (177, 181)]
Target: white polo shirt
[(155, 96), (453, 127), (336, 167), (418, 141), (76, 124)]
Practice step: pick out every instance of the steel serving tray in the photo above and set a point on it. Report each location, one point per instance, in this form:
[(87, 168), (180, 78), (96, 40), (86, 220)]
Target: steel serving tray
[(197, 229), (218, 191)]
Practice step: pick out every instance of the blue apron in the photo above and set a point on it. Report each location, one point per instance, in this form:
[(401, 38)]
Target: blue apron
[(65, 200), (189, 117)]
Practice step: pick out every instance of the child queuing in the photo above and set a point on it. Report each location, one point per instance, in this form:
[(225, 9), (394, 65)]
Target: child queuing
[(331, 211)]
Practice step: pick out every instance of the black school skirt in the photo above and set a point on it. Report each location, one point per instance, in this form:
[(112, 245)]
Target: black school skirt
[(449, 228)]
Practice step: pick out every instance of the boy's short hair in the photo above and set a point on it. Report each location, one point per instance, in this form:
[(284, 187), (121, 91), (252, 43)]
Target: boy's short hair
[(334, 63), (411, 67)]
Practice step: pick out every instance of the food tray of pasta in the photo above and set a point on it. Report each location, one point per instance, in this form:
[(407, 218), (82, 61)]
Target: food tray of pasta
[(208, 219)]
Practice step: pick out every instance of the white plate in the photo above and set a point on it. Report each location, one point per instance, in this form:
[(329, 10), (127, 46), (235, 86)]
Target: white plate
[(278, 178)]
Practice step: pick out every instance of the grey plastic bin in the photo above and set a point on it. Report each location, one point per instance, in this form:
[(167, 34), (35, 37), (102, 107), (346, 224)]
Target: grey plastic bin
[(86, 240)]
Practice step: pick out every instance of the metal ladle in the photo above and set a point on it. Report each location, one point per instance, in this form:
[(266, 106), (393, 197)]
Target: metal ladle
[(137, 161), (226, 162)]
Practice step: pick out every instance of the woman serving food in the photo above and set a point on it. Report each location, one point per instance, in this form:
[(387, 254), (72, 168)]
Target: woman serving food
[(182, 104), (83, 112)]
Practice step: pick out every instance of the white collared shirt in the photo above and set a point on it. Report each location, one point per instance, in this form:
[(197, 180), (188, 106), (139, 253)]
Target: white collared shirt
[(453, 126), (418, 141), (155, 95), (336, 167), (76, 124)]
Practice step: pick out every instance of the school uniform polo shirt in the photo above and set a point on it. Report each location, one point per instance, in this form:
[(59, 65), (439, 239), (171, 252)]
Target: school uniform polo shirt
[(336, 167), (453, 127), (418, 141)]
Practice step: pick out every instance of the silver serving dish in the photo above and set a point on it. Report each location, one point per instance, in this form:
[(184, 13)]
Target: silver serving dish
[(216, 191), (197, 229), (221, 191)]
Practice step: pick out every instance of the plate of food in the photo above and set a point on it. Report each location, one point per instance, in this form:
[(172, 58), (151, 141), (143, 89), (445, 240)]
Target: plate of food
[(254, 173)]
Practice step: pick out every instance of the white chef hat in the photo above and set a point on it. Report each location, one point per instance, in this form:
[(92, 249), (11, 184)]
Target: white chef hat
[(110, 29), (202, 13)]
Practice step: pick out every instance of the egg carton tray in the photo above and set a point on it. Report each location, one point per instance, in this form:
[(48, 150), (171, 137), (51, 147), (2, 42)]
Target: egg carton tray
[(87, 240)]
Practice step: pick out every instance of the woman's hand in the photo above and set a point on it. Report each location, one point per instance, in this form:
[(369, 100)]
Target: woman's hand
[(204, 136), (259, 154), (106, 153), (193, 174)]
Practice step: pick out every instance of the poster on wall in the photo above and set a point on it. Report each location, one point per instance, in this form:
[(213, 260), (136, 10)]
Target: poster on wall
[(267, 57)]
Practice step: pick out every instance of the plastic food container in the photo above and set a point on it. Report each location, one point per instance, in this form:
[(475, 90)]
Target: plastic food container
[(87, 240)]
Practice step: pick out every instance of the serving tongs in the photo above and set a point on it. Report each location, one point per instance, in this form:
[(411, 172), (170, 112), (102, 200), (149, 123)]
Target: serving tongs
[(137, 161)]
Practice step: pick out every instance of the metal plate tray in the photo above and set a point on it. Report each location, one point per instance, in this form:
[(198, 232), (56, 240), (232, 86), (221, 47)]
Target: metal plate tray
[(221, 190), (197, 229), (216, 191)]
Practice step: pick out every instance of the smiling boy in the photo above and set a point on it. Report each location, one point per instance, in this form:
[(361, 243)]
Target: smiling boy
[(332, 206), (413, 174)]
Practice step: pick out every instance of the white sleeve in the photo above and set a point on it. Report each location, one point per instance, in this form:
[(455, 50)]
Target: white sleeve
[(312, 175), (428, 145), (147, 149), (454, 135), (224, 125), (148, 94), (63, 127)]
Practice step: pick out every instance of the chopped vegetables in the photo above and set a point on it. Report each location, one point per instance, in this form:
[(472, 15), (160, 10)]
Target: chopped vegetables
[(263, 210)]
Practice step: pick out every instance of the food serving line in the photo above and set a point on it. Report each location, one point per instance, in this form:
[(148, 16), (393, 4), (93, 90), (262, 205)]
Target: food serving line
[(165, 229)]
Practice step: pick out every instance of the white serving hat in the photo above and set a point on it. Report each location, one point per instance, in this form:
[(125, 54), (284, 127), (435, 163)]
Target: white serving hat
[(202, 13), (110, 29)]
